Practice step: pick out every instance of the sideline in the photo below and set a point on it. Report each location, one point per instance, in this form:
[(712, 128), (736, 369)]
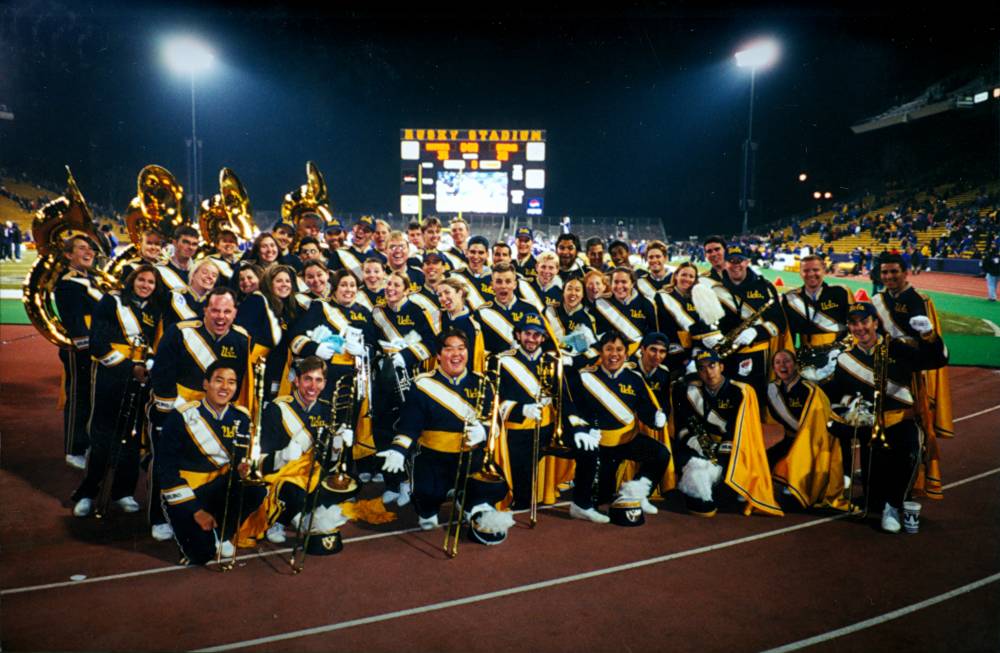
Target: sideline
[(478, 598), (885, 618), (361, 538)]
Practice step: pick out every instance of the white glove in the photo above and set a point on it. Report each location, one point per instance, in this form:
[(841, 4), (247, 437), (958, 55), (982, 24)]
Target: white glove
[(585, 441), (532, 411), (660, 419), (411, 338), (398, 343), (595, 435), (921, 324), (567, 359), (711, 341), (691, 367), (292, 452), (393, 461), (347, 435), (398, 360), (325, 351), (354, 346), (476, 434), (746, 336)]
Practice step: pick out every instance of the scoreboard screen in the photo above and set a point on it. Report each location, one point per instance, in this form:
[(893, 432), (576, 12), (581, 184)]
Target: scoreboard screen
[(472, 171)]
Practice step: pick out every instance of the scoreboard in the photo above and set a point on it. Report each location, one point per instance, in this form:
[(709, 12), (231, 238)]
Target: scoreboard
[(472, 171)]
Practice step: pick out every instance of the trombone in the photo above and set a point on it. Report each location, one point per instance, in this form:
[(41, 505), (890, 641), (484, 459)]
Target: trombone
[(454, 526)]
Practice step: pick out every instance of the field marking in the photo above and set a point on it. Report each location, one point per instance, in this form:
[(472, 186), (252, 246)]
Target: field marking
[(373, 536), (531, 587), (884, 618), (992, 325)]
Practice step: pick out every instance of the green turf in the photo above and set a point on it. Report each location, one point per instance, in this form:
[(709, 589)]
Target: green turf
[(12, 273), (12, 312)]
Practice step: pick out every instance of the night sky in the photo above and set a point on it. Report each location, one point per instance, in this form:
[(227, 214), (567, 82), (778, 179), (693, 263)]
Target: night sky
[(644, 108)]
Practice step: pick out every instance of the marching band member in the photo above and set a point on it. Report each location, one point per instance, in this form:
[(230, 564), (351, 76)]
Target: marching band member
[(649, 363), (499, 318), (816, 312), (568, 248), (198, 453), (619, 253), (265, 251), (249, 276), (524, 264), (426, 298), (334, 237), (309, 250), (188, 302), (268, 316), (308, 225), (398, 261), (625, 311), (380, 241), (808, 461), (284, 236), (595, 255), (430, 232), (501, 253), (657, 275), (677, 317), (889, 468), (290, 425), (226, 256), (76, 297), (317, 280), (122, 335), (175, 271), (570, 315), (352, 258), (456, 315), (150, 249), (720, 442), (476, 273), (183, 354), (459, 236), (741, 293), (595, 284), (415, 238), (896, 305), (546, 288), (439, 418), (370, 291), (613, 398), (715, 254)]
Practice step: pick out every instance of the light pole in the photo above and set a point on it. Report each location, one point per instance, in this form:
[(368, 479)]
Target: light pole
[(757, 55), (187, 55)]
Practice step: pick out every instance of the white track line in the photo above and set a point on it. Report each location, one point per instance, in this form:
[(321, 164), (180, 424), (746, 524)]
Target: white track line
[(884, 618), (521, 589), (160, 570)]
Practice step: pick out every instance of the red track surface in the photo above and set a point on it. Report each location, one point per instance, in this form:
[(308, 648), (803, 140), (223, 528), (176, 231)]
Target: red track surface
[(743, 595), (959, 284)]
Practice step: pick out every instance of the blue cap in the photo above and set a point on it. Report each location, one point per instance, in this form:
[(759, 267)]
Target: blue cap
[(736, 251), (523, 232), (333, 226), (706, 356), (654, 338), (478, 240), (532, 322), (862, 310), (284, 225), (365, 221)]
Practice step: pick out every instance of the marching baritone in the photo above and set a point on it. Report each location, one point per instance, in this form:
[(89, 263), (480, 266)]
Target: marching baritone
[(817, 311), (440, 419), (203, 445), (122, 337), (614, 400), (885, 365), (76, 297), (808, 460), (720, 442)]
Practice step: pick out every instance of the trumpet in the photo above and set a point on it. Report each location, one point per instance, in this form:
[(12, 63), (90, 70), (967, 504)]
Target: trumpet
[(363, 378), (454, 527)]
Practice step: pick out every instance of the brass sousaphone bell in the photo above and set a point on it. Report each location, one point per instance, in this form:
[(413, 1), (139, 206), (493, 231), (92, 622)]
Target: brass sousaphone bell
[(309, 198), (228, 210)]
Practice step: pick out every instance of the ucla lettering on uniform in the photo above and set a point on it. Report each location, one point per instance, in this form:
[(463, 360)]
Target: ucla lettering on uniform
[(828, 305), (626, 389), (755, 294), (404, 320), (229, 432), (316, 420), (228, 352), (357, 317), (638, 314), (148, 319)]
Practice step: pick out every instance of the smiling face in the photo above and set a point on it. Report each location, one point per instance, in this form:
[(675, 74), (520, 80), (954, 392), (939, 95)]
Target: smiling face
[(715, 254), (346, 291), (310, 384), (249, 283), (523, 244), (613, 355), (374, 275), (566, 250), (595, 256), (431, 236), (220, 387), (144, 285), (268, 250), (451, 300), (150, 247), (621, 286), (784, 366), (453, 356), (893, 276), (572, 294), (318, 280), (227, 244), (547, 270), (477, 257), (812, 274), (203, 279), (185, 247), (736, 268), (219, 314), (685, 278), (282, 285), (655, 261), (501, 254), (395, 289), (81, 254)]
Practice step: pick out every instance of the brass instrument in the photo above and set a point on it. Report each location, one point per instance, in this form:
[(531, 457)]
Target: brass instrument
[(339, 480), (157, 204), (311, 197), (454, 527), (727, 346), (363, 378), (551, 375), (60, 219), (490, 479), (709, 447), (228, 210), (880, 363), (816, 357)]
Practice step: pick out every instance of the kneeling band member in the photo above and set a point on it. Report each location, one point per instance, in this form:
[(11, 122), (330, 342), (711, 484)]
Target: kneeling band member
[(202, 445), (614, 399), (442, 414), (289, 443), (720, 442)]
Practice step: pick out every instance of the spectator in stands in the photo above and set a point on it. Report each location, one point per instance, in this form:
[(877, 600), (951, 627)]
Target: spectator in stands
[(990, 265), (15, 241)]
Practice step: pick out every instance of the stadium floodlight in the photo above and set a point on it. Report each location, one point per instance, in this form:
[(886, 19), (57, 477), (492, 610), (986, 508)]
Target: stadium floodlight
[(803, 176), (758, 54), (185, 54), (817, 195)]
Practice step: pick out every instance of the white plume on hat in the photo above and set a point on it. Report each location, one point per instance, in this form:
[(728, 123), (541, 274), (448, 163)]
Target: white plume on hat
[(490, 520), (698, 477), (325, 519), (707, 304), (637, 489)]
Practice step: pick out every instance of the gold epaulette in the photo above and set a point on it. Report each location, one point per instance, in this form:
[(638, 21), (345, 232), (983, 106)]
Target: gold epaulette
[(509, 352), (284, 399), (242, 409), (485, 305), (590, 368), (189, 324), (238, 329), (629, 365), (183, 408), (424, 375)]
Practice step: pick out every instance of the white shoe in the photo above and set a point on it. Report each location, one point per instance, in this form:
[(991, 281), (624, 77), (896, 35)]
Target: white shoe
[(162, 532), (389, 496), (276, 534), (648, 507), (378, 478), (890, 519), (128, 504), (404, 494), (365, 477), (226, 548), (847, 482), (588, 514), (77, 462), (428, 523), (83, 507)]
